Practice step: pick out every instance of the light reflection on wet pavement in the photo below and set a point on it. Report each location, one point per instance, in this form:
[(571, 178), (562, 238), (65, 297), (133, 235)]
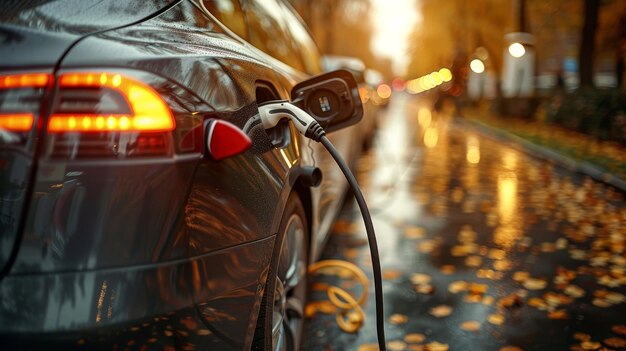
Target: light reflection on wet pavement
[(483, 247)]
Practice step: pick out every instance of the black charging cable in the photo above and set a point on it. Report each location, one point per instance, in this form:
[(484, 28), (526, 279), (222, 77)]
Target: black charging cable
[(270, 114), (371, 238)]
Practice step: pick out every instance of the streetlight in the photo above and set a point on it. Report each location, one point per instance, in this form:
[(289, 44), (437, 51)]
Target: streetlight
[(477, 66), (517, 50)]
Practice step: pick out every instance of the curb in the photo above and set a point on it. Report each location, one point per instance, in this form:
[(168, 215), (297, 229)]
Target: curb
[(545, 153)]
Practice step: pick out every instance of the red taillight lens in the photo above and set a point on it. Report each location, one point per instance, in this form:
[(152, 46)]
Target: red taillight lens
[(20, 96), (108, 102)]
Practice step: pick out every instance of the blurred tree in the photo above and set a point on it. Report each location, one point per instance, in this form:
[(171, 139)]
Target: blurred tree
[(556, 27), (452, 30), (611, 38), (342, 27), (588, 42)]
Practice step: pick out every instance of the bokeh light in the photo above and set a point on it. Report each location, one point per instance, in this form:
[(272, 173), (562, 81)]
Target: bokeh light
[(384, 91), (477, 66), (445, 74), (517, 50)]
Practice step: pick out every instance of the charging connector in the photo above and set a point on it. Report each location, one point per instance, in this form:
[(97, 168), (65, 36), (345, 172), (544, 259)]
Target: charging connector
[(271, 113)]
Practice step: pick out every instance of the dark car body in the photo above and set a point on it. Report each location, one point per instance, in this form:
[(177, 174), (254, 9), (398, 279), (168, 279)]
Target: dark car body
[(139, 240)]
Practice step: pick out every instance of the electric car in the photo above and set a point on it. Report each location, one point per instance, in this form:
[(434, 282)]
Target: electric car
[(142, 204)]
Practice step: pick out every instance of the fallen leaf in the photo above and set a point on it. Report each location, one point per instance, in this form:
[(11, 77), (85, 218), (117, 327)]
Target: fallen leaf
[(574, 291), (473, 261), (477, 289), (538, 303), (521, 276), (420, 278), (396, 345), (502, 265), (615, 342), (470, 326), (615, 298), (558, 314), (398, 319), (512, 300), (436, 346), (391, 274), (441, 311), (535, 284), (426, 246), (590, 345), (414, 338), (582, 336), (619, 329), (414, 232), (351, 253), (496, 319), (488, 300), (424, 289), (368, 347), (510, 348), (497, 254), (448, 269), (489, 274), (561, 244), (457, 287), (548, 247), (471, 298), (601, 303)]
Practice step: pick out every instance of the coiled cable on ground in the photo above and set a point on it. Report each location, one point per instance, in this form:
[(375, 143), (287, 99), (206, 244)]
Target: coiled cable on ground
[(350, 316)]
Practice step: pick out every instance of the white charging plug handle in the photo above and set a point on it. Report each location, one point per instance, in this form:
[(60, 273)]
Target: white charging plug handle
[(272, 113)]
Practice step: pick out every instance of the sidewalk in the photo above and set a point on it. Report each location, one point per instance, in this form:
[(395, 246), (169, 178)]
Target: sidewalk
[(603, 161)]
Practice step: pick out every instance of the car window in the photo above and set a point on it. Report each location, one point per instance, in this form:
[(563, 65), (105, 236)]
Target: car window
[(268, 31), (308, 50), (229, 13)]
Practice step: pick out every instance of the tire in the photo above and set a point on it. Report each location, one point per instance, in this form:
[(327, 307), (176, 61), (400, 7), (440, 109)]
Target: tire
[(280, 324)]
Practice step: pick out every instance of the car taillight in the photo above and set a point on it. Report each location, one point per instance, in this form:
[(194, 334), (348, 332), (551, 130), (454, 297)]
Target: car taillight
[(20, 100), (96, 102), (103, 114)]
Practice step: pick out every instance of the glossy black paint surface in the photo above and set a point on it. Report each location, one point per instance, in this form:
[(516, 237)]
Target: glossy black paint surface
[(116, 247)]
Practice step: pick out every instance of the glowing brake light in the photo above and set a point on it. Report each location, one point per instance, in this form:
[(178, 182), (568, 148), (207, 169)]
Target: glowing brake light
[(117, 103), (17, 122), (19, 117), (27, 80)]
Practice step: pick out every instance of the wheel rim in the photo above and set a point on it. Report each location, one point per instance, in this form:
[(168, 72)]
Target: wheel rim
[(290, 290)]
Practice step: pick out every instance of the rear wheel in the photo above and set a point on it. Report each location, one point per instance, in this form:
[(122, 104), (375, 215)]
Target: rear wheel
[(281, 318)]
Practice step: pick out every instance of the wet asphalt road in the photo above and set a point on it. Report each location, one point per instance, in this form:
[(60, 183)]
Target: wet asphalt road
[(483, 247)]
